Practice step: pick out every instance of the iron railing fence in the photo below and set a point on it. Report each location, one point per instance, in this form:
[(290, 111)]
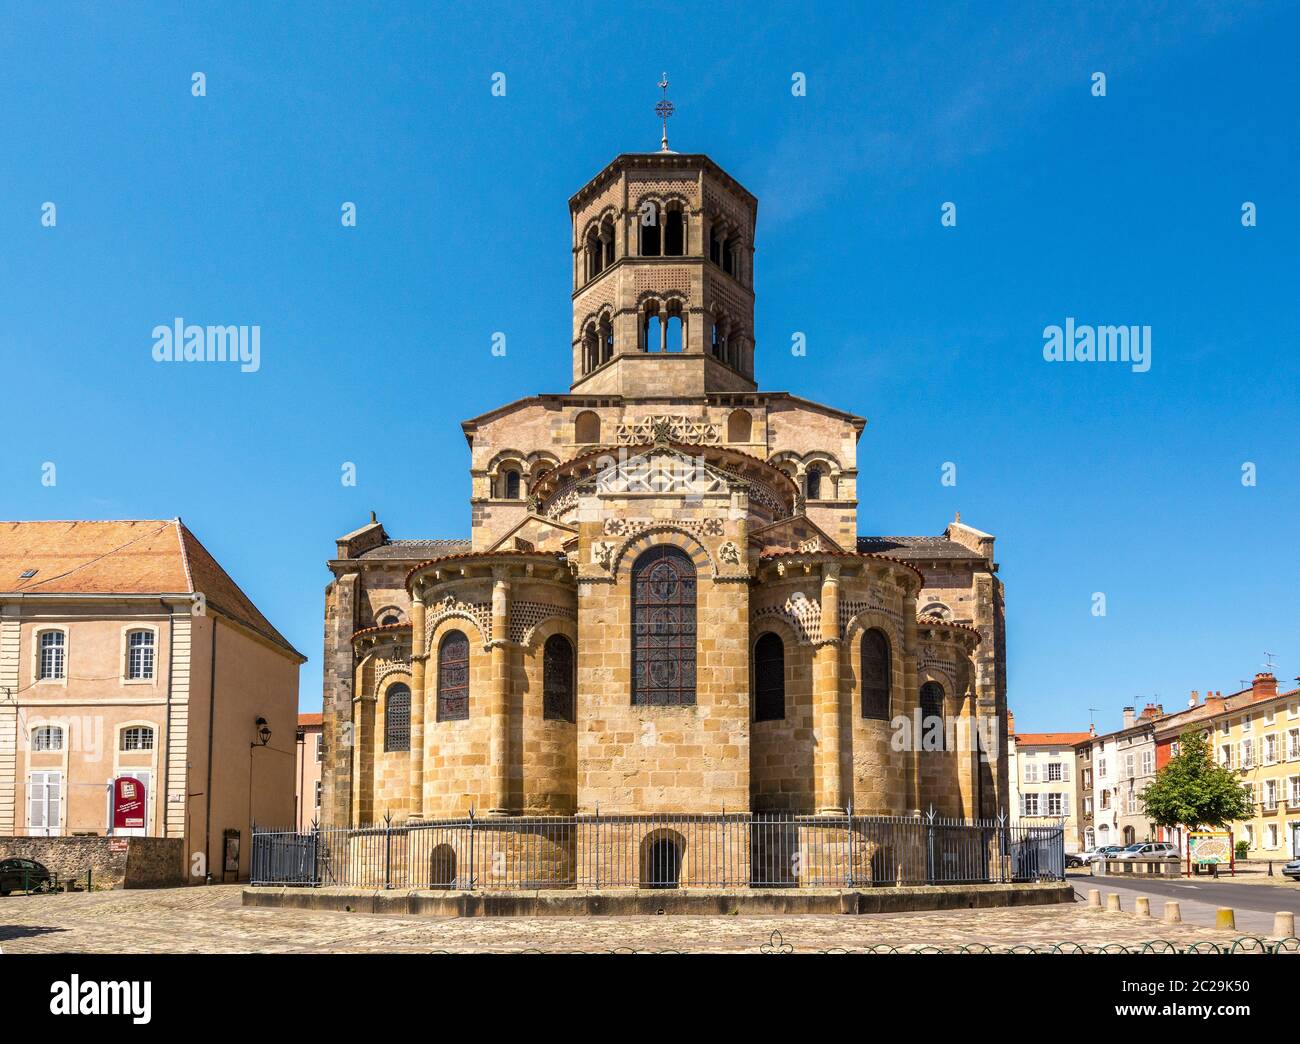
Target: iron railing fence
[(726, 850)]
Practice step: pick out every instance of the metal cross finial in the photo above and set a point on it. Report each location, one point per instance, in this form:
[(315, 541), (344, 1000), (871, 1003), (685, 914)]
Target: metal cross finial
[(663, 110)]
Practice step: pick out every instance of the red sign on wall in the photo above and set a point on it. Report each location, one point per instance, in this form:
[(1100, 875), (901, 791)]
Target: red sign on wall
[(128, 803)]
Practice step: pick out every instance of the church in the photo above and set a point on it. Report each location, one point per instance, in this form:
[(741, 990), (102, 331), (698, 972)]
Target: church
[(664, 606)]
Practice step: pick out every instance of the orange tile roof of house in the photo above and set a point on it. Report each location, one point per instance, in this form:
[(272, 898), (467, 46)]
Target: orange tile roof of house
[(123, 557), (1050, 739), (311, 719)]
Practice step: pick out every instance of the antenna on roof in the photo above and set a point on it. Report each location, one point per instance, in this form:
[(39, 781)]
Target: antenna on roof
[(1092, 711), (1268, 660)]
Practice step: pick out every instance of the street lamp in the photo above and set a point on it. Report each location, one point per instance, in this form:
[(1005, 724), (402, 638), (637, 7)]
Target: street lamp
[(263, 731)]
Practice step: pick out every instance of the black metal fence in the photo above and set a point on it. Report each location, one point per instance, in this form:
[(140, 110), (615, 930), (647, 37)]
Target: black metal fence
[(727, 850)]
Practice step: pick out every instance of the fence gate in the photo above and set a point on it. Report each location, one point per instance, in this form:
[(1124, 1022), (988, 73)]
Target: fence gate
[(284, 858), (1038, 855)]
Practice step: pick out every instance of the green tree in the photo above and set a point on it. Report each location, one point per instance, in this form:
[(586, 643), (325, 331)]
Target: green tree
[(1193, 791)]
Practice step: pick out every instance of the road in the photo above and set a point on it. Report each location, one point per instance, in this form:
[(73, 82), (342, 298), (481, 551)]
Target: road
[(1199, 900)]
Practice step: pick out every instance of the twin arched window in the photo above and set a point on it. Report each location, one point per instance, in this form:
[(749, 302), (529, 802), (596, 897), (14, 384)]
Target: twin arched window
[(661, 232), (663, 627), (769, 678), (47, 738), (453, 677), (397, 718), (559, 679), (875, 675)]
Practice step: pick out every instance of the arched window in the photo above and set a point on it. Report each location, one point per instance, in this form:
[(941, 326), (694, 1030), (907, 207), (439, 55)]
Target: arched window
[(139, 655), (875, 675), (674, 233), (655, 333), (663, 627), (936, 609), (813, 483), (510, 484), (769, 678), (397, 718), (590, 349), (675, 335), (389, 620), (52, 650), (740, 426), (649, 223), (595, 254), (586, 427), (47, 737), (136, 737), (453, 677), (932, 708), (559, 681), (606, 339)]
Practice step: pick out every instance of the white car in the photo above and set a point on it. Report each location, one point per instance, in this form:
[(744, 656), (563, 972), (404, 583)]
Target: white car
[(1149, 850)]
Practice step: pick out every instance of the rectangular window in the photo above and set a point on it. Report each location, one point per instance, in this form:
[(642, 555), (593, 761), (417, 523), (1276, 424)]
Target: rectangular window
[(1055, 804), (1247, 724), (1272, 835), (1270, 748), (318, 794), (44, 803), (320, 746), (1225, 755), (1295, 794), (1270, 795), (1031, 804), (1247, 754), (52, 655), (139, 655), (1148, 762), (1054, 772), (1101, 768), (1031, 772)]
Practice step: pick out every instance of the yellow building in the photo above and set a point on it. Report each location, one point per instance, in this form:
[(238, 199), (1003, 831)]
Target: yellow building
[(1256, 733)]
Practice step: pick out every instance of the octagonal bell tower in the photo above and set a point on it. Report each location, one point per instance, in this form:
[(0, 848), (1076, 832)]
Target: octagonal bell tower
[(663, 289)]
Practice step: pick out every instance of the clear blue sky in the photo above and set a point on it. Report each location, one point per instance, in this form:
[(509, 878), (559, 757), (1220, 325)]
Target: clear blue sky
[(375, 340)]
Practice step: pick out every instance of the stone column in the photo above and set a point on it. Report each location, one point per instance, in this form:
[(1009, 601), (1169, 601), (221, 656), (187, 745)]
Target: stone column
[(499, 738), (415, 799), (912, 700), (829, 750)]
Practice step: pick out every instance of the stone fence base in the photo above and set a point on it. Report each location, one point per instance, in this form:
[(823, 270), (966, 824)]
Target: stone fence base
[(640, 901), (114, 862)]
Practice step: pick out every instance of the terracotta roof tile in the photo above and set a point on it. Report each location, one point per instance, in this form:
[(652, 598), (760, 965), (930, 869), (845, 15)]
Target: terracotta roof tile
[(1051, 739), (310, 719), (122, 557)]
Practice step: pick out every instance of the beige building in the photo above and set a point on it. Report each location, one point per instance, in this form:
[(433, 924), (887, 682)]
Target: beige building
[(1044, 780), (664, 604), (127, 651), (308, 756)]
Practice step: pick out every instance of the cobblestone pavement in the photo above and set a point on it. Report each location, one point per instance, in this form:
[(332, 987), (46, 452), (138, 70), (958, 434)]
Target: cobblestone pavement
[(211, 920)]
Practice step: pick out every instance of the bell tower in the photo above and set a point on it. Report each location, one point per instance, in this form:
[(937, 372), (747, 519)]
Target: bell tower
[(663, 289)]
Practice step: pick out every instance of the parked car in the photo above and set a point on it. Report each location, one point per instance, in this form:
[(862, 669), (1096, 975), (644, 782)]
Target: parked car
[(1105, 852), (1149, 850), (1292, 870), (1075, 859), (23, 875)]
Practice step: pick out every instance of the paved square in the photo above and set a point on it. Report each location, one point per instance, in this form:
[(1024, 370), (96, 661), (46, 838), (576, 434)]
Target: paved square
[(212, 920)]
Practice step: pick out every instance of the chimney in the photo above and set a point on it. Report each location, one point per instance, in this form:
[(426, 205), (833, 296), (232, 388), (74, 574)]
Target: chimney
[(1152, 711), (1213, 702), (1264, 686), (1194, 698), (1130, 719), (1011, 722), (1092, 729)]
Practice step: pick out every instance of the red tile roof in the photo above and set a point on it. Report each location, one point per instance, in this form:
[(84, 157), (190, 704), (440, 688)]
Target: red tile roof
[(1051, 739), (123, 557), (310, 719)]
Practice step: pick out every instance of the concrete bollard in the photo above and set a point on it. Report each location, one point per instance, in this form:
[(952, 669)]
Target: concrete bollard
[(1094, 898), (1173, 913), (1142, 906), (1225, 918), (1112, 902), (1283, 925)]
